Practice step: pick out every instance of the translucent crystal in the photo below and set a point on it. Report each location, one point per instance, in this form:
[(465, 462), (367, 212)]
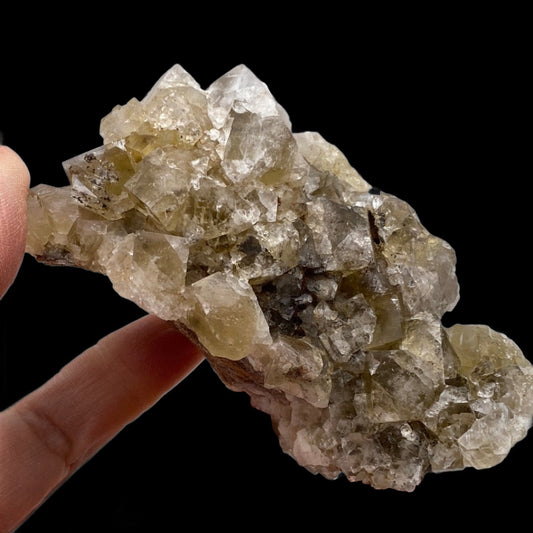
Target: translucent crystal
[(319, 297)]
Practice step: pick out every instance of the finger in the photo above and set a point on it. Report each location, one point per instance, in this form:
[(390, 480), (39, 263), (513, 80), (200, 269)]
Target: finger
[(14, 182), (47, 435)]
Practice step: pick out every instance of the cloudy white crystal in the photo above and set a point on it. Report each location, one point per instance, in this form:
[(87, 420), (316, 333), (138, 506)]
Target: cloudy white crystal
[(318, 297)]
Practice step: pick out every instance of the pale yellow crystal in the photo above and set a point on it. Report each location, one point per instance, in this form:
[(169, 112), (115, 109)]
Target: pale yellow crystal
[(149, 268), (226, 317), (51, 215), (327, 158), (316, 294)]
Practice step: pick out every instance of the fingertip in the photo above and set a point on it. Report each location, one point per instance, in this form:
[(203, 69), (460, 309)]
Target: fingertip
[(13, 163), (14, 184)]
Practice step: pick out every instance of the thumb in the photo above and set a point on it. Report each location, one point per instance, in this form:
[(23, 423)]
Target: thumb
[(14, 183)]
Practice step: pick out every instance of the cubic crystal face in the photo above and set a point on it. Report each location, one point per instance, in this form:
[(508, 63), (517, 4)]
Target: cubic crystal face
[(319, 297)]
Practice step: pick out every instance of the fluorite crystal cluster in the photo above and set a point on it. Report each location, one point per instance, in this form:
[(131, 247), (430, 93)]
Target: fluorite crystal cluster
[(318, 295)]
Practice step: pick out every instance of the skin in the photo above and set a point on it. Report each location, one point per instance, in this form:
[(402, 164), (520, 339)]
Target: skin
[(46, 436)]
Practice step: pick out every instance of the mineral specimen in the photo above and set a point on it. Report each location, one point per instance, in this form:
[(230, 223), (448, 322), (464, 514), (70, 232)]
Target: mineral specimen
[(318, 295)]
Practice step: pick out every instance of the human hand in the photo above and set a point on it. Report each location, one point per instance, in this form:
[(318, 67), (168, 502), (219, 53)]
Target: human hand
[(46, 436)]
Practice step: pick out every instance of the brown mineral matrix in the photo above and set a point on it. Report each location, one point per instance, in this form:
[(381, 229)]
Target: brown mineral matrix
[(318, 297)]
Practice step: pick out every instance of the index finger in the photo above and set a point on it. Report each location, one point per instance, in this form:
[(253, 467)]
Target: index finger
[(47, 435)]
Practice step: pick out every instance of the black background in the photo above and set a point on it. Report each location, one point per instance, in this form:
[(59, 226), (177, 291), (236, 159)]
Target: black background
[(432, 107)]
